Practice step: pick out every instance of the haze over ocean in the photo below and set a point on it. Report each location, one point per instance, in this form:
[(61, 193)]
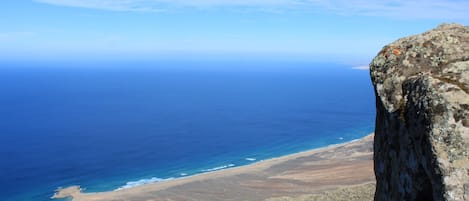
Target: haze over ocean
[(106, 128)]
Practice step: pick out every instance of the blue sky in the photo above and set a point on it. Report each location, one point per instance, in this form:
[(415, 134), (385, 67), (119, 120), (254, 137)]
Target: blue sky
[(350, 31)]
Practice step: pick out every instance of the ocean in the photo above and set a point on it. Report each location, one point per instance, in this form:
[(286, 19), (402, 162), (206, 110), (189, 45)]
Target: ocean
[(106, 126)]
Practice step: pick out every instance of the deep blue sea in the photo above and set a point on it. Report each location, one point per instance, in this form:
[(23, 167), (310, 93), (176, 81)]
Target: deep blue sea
[(106, 126)]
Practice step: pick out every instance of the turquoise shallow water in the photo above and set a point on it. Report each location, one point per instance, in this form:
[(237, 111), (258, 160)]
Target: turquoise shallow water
[(109, 126)]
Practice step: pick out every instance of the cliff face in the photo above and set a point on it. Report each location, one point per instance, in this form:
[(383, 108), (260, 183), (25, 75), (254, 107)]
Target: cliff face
[(422, 125)]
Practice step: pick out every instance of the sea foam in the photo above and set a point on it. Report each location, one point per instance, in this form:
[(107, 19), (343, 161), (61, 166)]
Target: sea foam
[(219, 168), (140, 182)]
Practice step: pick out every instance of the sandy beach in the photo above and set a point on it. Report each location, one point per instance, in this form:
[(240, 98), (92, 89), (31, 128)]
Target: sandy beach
[(291, 177)]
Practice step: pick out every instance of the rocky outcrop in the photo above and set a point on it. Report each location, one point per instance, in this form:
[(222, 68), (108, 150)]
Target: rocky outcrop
[(422, 125)]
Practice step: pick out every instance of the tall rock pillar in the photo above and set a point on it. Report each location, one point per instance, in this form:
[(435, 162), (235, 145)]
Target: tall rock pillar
[(421, 142)]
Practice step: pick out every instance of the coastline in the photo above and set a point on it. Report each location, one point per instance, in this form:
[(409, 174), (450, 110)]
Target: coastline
[(311, 171)]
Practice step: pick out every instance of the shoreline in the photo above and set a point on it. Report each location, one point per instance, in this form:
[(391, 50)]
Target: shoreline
[(226, 167), (358, 149)]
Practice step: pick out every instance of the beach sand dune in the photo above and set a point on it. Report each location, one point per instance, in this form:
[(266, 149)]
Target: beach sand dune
[(333, 171)]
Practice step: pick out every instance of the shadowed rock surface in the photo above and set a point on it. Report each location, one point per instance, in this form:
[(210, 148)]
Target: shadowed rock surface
[(422, 126)]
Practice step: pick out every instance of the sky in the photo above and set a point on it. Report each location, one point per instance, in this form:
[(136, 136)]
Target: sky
[(350, 31)]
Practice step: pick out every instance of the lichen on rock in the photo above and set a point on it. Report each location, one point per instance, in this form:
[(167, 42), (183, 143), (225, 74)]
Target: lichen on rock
[(422, 127)]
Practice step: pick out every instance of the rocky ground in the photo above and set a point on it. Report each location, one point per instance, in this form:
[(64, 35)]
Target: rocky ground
[(364, 192)]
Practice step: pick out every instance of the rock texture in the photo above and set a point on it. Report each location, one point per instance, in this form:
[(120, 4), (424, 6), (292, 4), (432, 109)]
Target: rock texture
[(422, 125)]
